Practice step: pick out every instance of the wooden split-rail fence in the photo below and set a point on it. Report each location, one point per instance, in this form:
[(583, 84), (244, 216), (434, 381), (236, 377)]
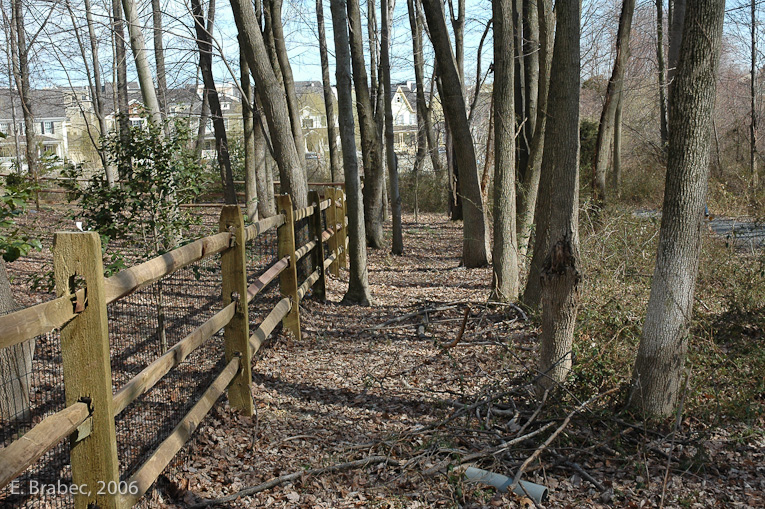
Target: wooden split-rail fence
[(80, 314)]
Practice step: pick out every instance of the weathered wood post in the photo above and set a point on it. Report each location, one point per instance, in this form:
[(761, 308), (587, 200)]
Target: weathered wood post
[(332, 221), (343, 228), (317, 228), (288, 283), (237, 332), (87, 369)]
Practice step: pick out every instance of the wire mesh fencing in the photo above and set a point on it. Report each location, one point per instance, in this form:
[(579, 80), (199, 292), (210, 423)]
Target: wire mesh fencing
[(32, 388)]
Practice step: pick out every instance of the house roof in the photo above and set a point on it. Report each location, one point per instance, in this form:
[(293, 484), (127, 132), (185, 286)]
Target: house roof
[(46, 103)]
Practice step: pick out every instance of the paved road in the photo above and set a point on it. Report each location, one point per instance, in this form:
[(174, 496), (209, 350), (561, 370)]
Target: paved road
[(742, 232)]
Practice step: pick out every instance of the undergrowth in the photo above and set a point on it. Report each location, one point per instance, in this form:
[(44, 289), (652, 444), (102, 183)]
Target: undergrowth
[(726, 355)]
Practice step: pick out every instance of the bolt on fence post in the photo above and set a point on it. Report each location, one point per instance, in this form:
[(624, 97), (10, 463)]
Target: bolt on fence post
[(288, 283), (343, 227), (236, 334), (331, 193), (87, 368), (320, 290)]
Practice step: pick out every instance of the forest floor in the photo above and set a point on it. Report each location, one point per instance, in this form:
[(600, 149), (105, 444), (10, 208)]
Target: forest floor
[(398, 385), (390, 382)]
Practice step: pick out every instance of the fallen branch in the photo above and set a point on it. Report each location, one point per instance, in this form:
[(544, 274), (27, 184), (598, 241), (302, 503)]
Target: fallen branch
[(371, 460), (410, 315), (557, 432), (461, 332)]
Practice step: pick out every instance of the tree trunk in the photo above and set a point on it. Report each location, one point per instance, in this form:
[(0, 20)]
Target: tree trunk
[(663, 346), (121, 64), (205, 65), (204, 115), (560, 273), (662, 72), (616, 175), (528, 190), (475, 244), (608, 114), (531, 65), (521, 100), (271, 93), (371, 148), (159, 56), (15, 363), (289, 83), (504, 253), (753, 101), (143, 70), (395, 197), (677, 21), (250, 149), (374, 49), (358, 283), (329, 97), (20, 61)]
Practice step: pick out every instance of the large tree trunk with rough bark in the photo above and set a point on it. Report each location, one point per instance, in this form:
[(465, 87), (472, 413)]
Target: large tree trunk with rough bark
[(528, 188), (271, 93), (358, 283), (475, 243), (505, 250), (250, 154), (204, 41), (15, 362), (662, 70), (371, 147), (663, 346), (329, 97), (121, 56), (608, 114), (560, 272)]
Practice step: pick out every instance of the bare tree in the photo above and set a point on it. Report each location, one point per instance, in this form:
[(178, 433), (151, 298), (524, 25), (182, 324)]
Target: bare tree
[(142, 67), (329, 96), (159, 55), (395, 198), (271, 93), (664, 344), (358, 283), (204, 41), (613, 94), (560, 272), (121, 67), (505, 250), (475, 239), (753, 99), (662, 69), (371, 148)]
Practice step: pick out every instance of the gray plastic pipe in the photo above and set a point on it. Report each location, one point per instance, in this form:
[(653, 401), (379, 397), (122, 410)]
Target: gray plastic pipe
[(536, 491)]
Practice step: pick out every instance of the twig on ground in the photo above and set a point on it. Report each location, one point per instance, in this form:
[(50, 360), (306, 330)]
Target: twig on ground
[(557, 432), (411, 315), (461, 332), (372, 460)]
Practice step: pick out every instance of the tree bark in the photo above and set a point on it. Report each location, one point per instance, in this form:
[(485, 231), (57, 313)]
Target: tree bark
[(560, 273), (505, 250), (271, 93), (250, 149), (358, 283), (395, 196), (521, 99), (143, 70), (608, 114), (121, 56), (159, 56), (20, 64), (371, 148), (15, 362), (677, 21), (663, 346), (475, 244), (662, 72), (329, 97), (528, 190), (289, 83), (753, 100)]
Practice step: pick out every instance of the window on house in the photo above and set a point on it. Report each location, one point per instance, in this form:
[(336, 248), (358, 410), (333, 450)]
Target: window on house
[(4, 128), (399, 119), (136, 123), (225, 106), (46, 128), (307, 123), (225, 123)]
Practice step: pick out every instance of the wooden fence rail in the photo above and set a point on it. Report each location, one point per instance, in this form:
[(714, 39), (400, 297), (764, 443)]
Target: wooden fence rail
[(80, 313)]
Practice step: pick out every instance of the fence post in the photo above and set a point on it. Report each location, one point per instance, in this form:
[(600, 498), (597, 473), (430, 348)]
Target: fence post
[(237, 332), (331, 193), (320, 290), (87, 369), (288, 283), (343, 228)]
